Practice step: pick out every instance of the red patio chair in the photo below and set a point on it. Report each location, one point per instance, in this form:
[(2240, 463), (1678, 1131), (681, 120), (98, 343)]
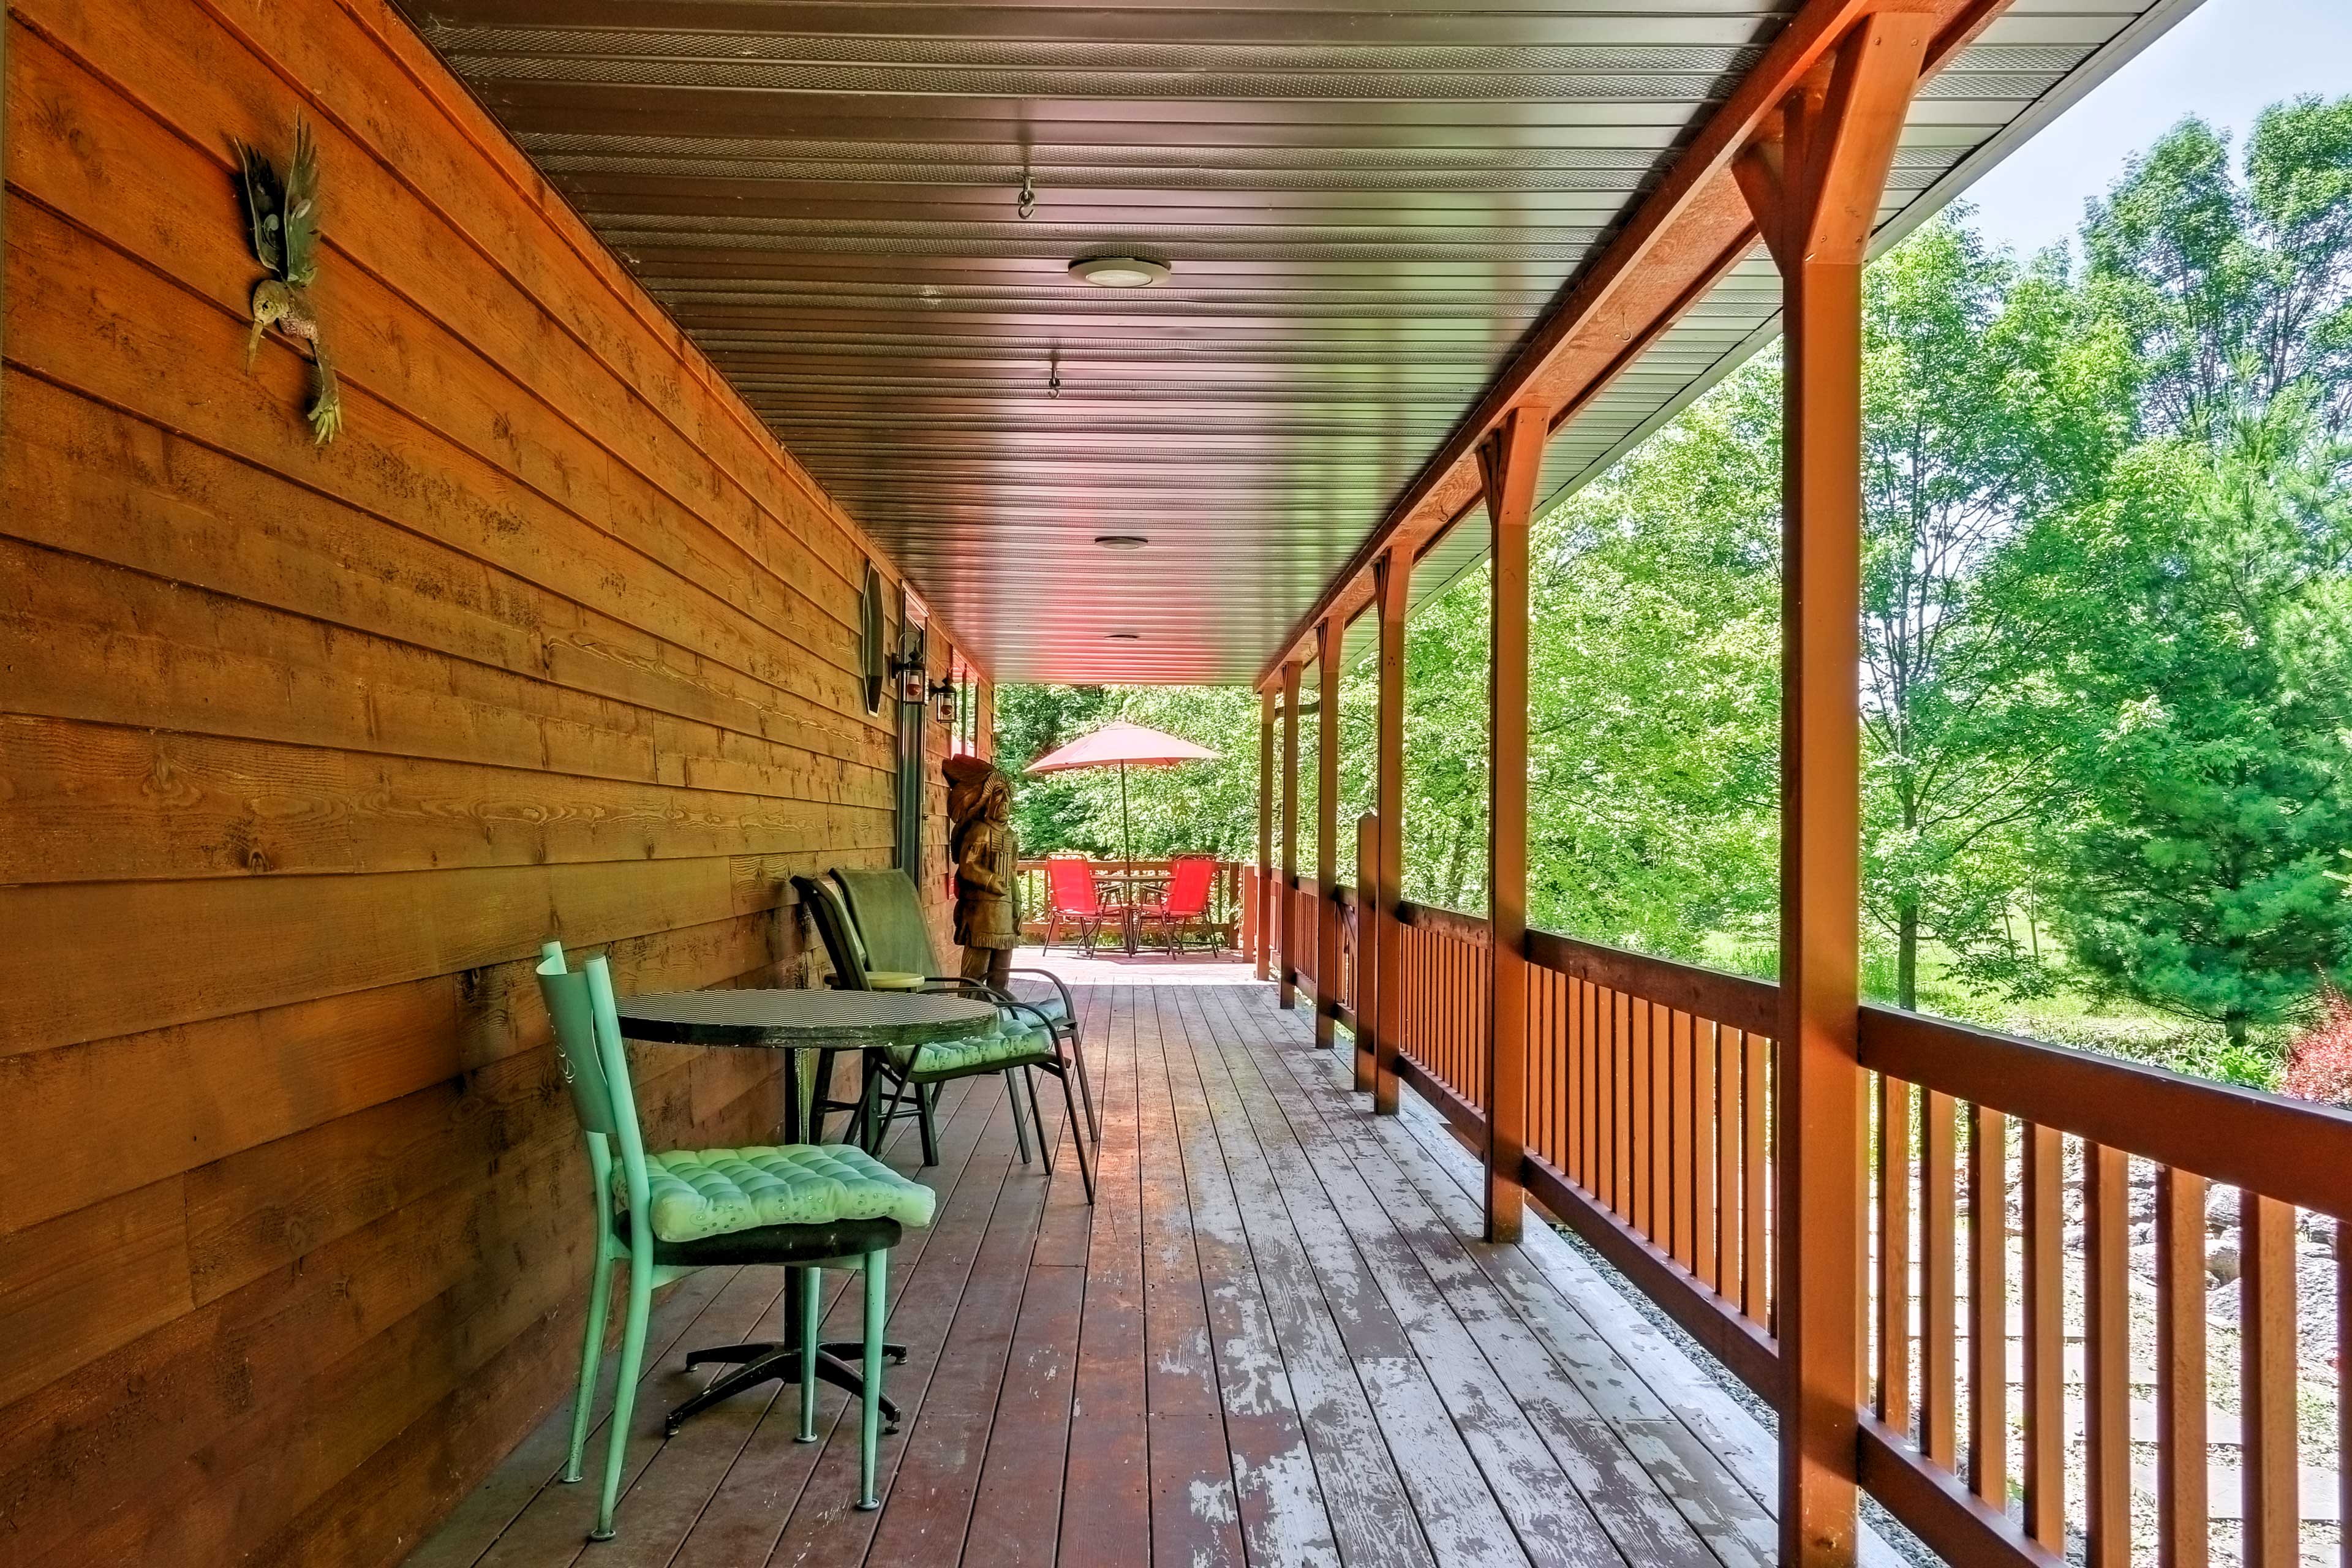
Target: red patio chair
[(1185, 910), (1071, 895)]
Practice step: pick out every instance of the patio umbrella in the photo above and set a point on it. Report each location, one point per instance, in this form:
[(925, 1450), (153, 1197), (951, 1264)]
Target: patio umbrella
[(1121, 742)]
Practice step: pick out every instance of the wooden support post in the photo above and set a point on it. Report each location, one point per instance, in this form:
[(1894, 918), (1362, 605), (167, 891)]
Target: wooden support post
[(1263, 892), (1327, 833), (1393, 596), (1509, 463), (1287, 892), (1813, 181), (1369, 900)]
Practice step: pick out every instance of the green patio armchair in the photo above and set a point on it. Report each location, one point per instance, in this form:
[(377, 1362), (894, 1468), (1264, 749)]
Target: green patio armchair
[(664, 1215), (872, 925)]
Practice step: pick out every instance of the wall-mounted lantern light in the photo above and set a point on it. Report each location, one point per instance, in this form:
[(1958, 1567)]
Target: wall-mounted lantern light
[(912, 668)]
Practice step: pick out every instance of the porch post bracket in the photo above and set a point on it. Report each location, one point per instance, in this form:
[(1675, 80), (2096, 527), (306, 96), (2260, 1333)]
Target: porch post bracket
[(1328, 659), (1812, 176), (1509, 463)]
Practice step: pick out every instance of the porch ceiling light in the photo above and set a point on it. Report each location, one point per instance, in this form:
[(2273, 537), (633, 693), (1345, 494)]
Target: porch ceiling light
[(1121, 540), (1118, 271)]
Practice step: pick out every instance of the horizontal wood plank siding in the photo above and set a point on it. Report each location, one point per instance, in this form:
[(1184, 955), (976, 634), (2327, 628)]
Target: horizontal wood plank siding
[(304, 751)]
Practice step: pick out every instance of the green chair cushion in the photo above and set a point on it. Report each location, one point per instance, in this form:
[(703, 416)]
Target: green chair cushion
[(696, 1193), (894, 980), (1050, 1004), (978, 1053)]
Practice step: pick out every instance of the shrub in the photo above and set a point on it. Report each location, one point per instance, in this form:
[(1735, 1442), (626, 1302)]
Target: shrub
[(2319, 1061)]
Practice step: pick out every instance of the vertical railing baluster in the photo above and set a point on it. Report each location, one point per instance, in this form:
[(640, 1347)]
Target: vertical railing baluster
[(2343, 1393), (1894, 1399), (2266, 1342), (1731, 1225), (1938, 1281), (1755, 1185), (2180, 1455), (2045, 1336), (2107, 1355), (1573, 1006), (1641, 1092), (1609, 1076), (1596, 1149), (1681, 1177), (1704, 1215), (1621, 1102), (1989, 1305), (1661, 1135)]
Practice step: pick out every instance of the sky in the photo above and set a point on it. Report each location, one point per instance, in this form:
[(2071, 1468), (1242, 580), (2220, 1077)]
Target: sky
[(2224, 61)]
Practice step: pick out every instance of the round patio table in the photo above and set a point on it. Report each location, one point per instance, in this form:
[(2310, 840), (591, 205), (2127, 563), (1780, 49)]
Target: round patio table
[(1132, 886), (793, 1022)]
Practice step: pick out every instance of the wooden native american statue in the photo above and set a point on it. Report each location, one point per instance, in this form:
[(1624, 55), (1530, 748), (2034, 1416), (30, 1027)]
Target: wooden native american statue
[(980, 836)]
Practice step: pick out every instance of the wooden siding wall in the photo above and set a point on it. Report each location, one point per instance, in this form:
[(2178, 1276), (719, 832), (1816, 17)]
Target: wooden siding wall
[(302, 753)]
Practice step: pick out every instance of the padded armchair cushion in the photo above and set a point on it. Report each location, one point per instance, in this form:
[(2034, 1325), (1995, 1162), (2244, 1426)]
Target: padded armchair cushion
[(979, 1053), (1049, 1003), (696, 1193)]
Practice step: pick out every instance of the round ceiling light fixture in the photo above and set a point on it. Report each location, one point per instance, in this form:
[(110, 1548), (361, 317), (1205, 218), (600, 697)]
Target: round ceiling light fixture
[(1121, 540), (1118, 271)]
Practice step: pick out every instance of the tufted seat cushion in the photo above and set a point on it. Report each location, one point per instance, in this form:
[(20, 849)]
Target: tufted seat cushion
[(977, 1053), (696, 1193), (1048, 1003)]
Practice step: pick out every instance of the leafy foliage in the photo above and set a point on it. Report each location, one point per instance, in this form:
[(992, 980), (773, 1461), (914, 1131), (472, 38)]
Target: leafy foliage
[(2107, 682), (2208, 652)]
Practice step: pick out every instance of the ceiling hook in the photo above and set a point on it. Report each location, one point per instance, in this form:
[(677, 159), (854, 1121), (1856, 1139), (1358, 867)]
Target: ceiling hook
[(1027, 203)]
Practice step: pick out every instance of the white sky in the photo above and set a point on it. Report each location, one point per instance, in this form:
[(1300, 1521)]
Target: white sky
[(2225, 62)]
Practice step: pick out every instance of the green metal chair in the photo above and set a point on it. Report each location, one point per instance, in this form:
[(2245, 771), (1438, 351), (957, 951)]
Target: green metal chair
[(884, 908), (873, 928), (665, 1215)]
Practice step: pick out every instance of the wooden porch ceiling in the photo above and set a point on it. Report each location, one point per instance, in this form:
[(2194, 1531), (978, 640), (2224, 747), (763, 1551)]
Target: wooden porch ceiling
[(1369, 213), (1274, 1341)]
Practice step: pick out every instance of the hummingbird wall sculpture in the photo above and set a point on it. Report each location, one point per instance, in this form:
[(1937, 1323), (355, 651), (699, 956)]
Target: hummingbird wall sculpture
[(282, 220)]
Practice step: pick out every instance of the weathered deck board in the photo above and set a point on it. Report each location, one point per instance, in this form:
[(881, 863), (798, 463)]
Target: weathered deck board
[(1283, 1517), (1275, 1340), (1105, 1494)]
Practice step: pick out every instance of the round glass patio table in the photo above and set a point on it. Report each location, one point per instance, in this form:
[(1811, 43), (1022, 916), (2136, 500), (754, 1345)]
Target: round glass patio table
[(1131, 886), (794, 1022)]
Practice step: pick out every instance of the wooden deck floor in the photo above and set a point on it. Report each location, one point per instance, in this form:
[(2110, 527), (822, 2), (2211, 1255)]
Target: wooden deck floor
[(1277, 1340)]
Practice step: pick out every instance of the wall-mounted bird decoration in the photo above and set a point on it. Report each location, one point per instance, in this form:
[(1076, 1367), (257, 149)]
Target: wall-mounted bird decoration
[(282, 218)]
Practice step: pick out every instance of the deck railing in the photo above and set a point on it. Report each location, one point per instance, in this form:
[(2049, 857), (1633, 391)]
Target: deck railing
[(2001, 1419), (1306, 897)]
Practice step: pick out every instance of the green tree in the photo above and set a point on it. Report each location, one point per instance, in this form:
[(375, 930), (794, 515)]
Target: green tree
[(1990, 397), (2209, 659), (1053, 811), (2236, 285), (1652, 771)]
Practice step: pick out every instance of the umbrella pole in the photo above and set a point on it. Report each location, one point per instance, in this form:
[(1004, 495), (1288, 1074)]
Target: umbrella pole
[(1125, 825)]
